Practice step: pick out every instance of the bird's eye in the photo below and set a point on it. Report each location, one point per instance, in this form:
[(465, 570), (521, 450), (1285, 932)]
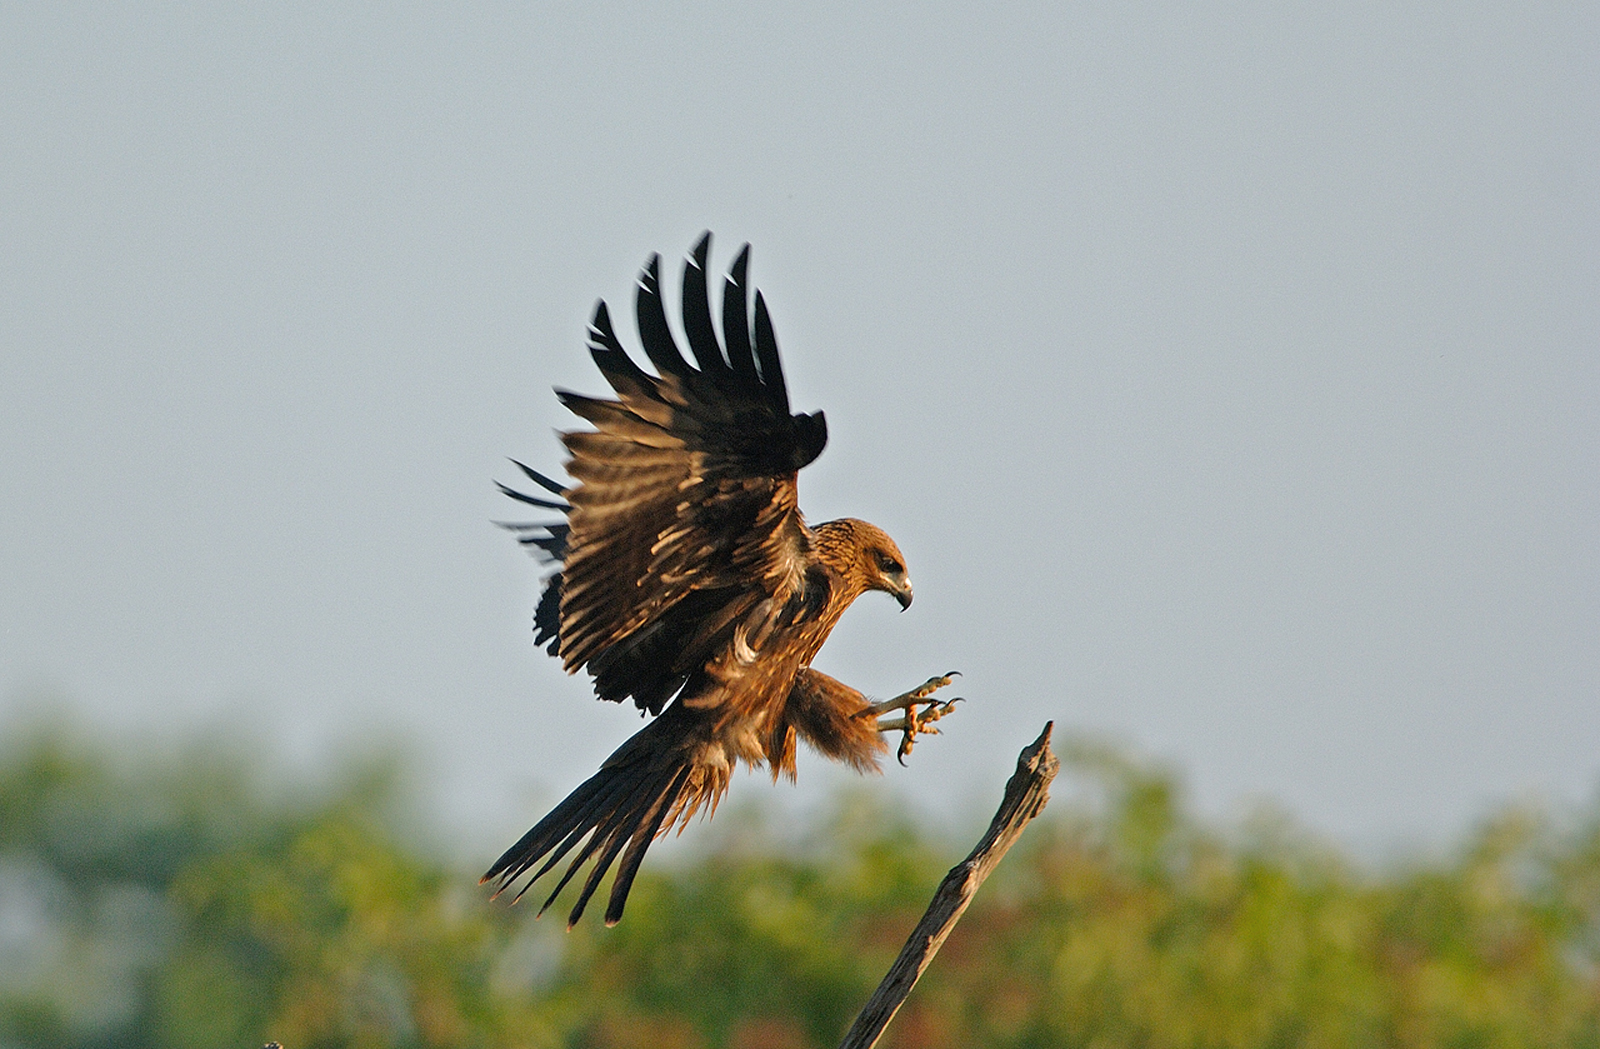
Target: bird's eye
[(888, 565)]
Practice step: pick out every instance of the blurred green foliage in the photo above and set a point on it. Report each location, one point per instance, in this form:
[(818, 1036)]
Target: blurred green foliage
[(156, 901)]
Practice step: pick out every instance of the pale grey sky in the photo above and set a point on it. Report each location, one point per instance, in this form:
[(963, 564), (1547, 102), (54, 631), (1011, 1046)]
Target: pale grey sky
[(1229, 373)]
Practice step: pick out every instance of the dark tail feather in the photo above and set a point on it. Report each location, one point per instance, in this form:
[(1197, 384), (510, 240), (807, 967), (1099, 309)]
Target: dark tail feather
[(636, 848), (623, 805)]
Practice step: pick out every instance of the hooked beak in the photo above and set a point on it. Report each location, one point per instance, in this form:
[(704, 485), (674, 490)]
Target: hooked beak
[(903, 595)]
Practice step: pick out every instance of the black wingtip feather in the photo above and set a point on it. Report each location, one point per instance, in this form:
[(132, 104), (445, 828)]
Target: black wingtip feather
[(554, 487), (651, 316), (626, 377), (697, 312), (601, 333), (736, 318), (547, 616), (531, 500), (767, 354), (810, 437)]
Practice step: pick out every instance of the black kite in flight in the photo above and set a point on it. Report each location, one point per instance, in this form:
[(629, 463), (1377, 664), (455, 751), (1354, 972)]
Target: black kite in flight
[(689, 581)]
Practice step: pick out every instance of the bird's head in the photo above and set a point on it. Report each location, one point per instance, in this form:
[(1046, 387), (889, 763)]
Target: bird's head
[(881, 564)]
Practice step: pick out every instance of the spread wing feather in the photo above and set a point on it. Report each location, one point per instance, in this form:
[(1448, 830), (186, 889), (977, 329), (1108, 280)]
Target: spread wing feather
[(697, 313), (549, 542), (736, 318), (767, 356), (686, 488)]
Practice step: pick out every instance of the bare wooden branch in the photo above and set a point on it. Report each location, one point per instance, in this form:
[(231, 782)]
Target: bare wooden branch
[(1027, 793)]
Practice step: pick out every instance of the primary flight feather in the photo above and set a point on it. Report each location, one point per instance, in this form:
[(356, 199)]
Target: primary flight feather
[(689, 582)]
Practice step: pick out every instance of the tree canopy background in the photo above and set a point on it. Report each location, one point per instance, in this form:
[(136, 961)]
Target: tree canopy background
[(159, 898)]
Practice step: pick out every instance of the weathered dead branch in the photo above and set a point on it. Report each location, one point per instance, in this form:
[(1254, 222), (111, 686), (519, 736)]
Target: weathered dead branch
[(1027, 793)]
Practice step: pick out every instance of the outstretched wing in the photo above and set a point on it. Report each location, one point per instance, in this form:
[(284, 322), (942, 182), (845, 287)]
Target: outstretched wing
[(684, 516), (547, 541)]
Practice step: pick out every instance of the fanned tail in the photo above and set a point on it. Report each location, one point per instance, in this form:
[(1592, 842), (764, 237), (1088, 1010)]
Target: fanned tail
[(646, 786)]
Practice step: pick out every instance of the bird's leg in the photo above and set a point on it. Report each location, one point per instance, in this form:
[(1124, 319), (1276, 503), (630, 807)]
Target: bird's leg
[(914, 721)]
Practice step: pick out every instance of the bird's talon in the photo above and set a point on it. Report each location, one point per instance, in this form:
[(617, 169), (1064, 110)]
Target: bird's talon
[(919, 716), (909, 700)]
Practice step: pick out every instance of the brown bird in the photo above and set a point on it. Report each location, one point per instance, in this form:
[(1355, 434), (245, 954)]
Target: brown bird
[(689, 582)]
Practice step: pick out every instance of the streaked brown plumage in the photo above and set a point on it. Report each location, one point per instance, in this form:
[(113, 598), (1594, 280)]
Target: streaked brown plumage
[(690, 582)]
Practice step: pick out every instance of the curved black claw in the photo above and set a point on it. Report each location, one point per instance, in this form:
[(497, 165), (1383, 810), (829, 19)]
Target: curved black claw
[(914, 723)]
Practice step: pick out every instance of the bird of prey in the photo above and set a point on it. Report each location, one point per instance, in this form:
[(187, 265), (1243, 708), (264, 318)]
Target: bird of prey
[(688, 581)]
